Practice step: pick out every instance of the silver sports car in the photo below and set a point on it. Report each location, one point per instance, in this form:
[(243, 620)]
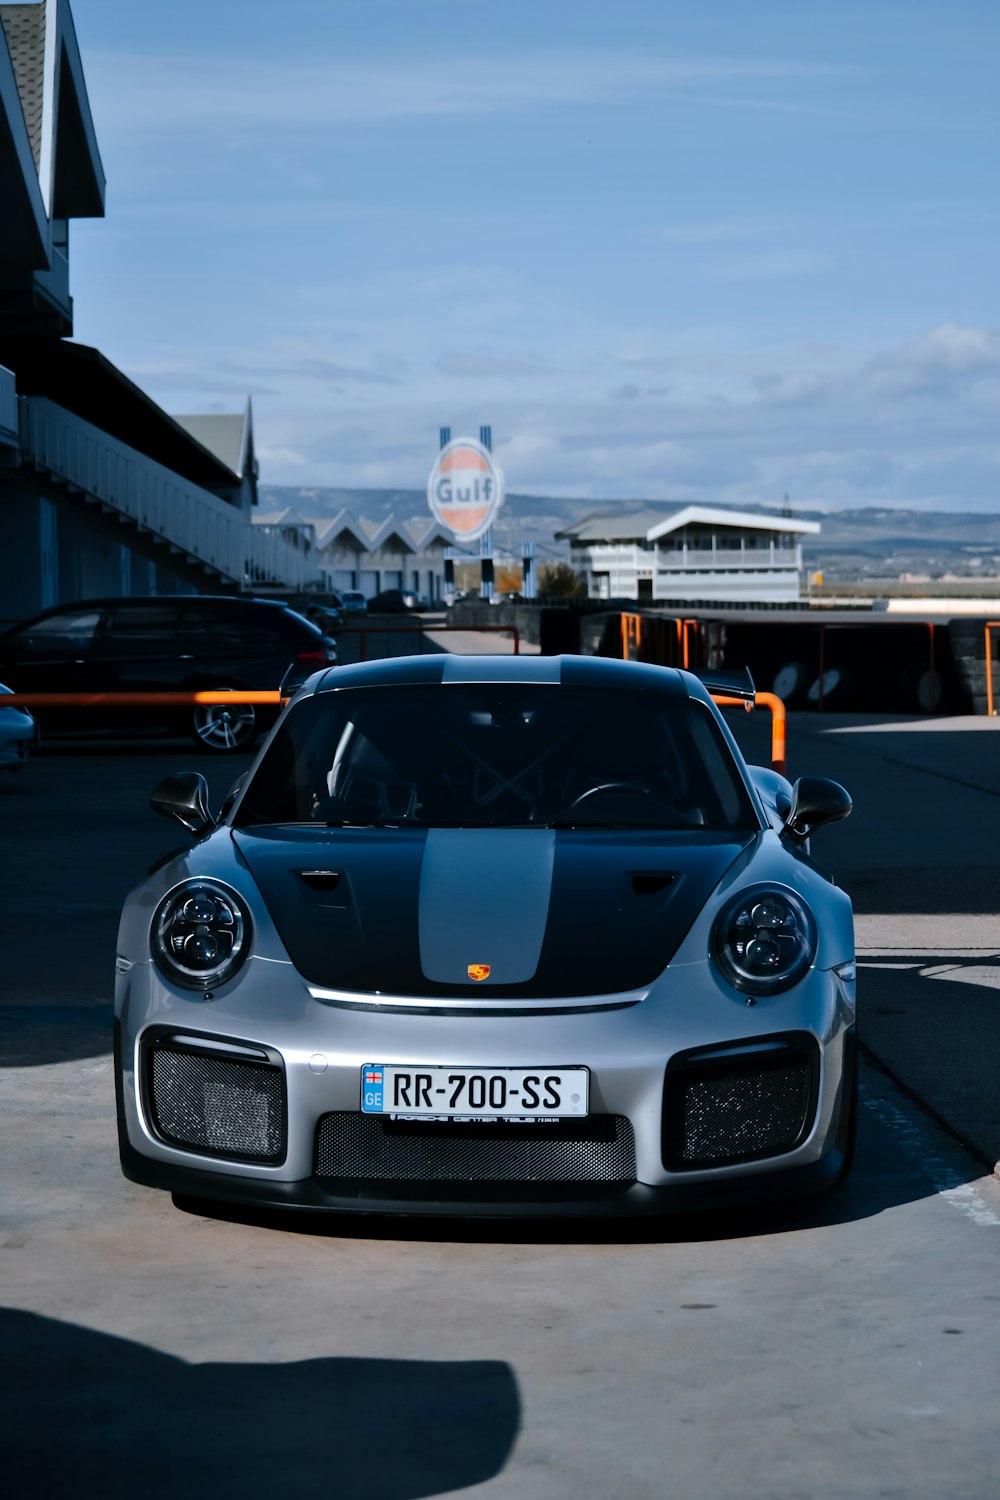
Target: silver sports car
[(491, 935)]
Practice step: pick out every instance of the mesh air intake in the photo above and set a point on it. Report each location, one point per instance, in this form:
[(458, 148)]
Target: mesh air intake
[(363, 1147), (218, 1106)]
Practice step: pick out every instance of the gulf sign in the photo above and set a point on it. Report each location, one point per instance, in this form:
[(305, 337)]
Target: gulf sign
[(465, 489)]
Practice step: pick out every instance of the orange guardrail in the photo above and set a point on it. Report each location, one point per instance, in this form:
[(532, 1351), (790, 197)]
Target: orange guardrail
[(779, 722), (140, 700), (990, 625), (261, 697)]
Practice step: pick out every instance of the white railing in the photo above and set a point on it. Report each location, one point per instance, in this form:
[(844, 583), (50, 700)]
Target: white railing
[(8, 408), (159, 501), (728, 557)]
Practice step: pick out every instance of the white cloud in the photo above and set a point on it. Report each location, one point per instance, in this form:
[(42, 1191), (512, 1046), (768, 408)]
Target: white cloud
[(177, 94), (825, 424), (946, 357)]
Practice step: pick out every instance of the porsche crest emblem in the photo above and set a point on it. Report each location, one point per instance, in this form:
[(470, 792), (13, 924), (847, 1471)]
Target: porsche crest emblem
[(478, 971)]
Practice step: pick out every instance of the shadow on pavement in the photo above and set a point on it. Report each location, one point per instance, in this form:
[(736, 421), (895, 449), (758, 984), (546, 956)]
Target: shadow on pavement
[(88, 1414), (933, 1019), (916, 889), (33, 1035)]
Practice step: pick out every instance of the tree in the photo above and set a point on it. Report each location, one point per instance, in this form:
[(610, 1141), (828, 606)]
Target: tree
[(558, 581)]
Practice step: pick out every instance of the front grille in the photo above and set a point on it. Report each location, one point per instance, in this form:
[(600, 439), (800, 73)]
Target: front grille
[(600, 1148), (217, 1106), (739, 1105)]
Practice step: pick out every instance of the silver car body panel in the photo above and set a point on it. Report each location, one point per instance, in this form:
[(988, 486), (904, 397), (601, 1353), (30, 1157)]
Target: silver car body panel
[(492, 886)]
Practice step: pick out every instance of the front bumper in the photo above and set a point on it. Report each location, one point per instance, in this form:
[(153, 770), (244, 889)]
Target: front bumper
[(630, 1049)]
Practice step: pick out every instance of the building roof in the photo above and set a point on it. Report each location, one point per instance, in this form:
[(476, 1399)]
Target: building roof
[(287, 517), (649, 525), (344, 523), (24, 27), (612, 526), (745, 520), (226, 434), (50, 166), (48, 72), (367, 535), (80, 379)]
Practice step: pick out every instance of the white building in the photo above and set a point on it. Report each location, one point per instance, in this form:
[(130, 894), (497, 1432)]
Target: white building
[(351, 552), (700, 552)]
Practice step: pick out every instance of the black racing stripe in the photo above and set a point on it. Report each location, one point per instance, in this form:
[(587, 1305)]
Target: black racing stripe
[(359, 934), (611, 927)]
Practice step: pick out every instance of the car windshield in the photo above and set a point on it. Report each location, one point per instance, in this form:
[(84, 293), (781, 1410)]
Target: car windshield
[(498, 755)]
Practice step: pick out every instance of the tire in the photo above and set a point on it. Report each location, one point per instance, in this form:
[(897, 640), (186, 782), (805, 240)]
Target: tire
[(225, 730), (837, 686), (847, 1133), (790, 683)]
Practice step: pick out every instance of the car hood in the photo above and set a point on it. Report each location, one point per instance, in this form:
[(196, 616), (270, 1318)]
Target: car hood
[(424, 912)]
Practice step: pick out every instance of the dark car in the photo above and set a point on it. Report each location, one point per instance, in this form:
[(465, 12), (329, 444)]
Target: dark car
[(388, 602), (324, 609), (171, 643)]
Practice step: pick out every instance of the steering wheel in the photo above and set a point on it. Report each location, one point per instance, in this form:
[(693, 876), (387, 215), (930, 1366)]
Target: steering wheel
[(642, 799), (613, 788)]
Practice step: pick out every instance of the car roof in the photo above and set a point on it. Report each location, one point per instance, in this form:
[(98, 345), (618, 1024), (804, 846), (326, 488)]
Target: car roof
[(115, 600), (567, 671)]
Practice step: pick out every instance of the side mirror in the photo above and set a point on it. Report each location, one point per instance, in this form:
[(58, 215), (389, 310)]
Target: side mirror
[(184, 796), (816, 800)]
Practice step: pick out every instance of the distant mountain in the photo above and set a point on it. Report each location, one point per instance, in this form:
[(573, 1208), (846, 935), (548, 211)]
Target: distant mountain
[(877, 541)]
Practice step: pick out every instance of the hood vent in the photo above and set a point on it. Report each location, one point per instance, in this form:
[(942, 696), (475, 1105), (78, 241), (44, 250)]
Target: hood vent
[(648, 883)]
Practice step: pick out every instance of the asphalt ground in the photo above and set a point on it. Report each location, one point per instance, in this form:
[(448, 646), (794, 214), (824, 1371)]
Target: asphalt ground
[(920, 857)]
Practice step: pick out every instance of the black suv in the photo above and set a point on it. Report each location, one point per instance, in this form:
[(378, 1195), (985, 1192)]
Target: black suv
[(170, 643)]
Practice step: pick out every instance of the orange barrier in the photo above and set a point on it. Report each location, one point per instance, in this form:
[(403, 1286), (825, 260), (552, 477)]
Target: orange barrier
[(631, 626), (261, 697), (990, 625), (140, 700), (779, 722), (842, 625)]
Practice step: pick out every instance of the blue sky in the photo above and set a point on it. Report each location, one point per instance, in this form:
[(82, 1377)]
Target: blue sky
[(718, 251)]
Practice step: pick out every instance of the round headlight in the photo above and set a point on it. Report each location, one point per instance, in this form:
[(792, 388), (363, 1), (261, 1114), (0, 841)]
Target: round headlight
[(200, 934), (764, 939)]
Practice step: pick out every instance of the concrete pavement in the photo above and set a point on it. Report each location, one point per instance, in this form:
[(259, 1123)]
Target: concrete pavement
[(920, 856)]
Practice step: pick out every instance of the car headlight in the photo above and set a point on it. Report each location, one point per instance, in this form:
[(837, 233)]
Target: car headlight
[(764, 939), (200, 934)]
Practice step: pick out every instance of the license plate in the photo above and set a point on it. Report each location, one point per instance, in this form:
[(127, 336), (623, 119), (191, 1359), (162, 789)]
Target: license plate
[(474, 1093)]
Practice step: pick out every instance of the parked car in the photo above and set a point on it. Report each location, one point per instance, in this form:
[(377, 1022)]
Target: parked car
[(492, 935), (170, 643), (353, 602), (323, 607), (413, 600), (387, 602), (18, 732)]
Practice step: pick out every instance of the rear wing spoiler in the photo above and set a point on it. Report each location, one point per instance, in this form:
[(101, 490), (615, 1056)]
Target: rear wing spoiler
[(737, 684)]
